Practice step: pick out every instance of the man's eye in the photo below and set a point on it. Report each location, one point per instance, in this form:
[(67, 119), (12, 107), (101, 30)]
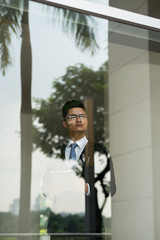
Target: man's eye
[(82, 116), (72, 117)]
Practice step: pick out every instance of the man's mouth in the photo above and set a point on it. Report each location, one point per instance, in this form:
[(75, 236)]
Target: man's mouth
[(79, 125)]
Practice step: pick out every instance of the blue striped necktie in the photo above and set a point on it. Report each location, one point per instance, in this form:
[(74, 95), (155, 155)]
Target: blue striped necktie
[(73, 153)]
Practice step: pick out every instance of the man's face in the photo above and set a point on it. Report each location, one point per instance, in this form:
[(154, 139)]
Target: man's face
[(76, 120)]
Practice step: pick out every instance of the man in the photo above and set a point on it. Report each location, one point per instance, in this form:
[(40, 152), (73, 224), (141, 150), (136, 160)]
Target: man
[(76, 122)]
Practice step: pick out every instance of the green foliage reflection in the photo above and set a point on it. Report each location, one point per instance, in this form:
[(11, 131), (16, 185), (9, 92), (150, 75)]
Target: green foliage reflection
[(79, 82)]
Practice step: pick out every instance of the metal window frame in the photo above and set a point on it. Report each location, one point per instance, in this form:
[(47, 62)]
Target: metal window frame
[(59, 235), (106, 12)]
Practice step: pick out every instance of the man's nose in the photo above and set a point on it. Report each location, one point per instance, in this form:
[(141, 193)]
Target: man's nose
[(78, 118)]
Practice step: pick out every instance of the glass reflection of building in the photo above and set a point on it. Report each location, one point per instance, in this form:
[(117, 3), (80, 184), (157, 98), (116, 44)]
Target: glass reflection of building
[(51, 52)]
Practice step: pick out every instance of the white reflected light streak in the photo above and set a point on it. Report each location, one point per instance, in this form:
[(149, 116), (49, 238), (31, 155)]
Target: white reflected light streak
[(106, 12)]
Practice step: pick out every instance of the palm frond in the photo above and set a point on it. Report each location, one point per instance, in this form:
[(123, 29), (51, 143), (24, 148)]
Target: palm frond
[(79, 27), (9, 23)]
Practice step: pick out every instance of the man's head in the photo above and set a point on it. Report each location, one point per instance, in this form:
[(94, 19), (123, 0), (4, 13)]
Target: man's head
[(71, 104), (74, 117)]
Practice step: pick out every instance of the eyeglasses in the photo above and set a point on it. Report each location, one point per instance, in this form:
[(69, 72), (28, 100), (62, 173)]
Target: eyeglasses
[(75, 116)]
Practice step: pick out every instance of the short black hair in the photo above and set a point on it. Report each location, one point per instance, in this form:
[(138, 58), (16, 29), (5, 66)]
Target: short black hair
[(71, 104)]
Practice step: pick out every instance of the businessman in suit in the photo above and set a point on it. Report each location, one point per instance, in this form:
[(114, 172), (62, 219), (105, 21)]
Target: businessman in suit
[(77, 151), (75, 121)]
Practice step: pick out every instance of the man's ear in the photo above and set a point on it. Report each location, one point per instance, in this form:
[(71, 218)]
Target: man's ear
[(64, 124)]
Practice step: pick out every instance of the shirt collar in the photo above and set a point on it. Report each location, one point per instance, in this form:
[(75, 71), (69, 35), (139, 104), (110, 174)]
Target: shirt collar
[(81, 142)]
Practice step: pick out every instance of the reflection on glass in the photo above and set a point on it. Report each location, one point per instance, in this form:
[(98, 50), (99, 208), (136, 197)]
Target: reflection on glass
[(75, 179), (64, 67), (26, 214)]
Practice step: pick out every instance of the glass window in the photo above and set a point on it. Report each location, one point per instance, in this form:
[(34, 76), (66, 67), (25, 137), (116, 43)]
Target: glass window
[(50, 56)]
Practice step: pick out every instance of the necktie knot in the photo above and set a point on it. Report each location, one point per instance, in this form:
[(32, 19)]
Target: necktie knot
[(73, 153), (73, 145)]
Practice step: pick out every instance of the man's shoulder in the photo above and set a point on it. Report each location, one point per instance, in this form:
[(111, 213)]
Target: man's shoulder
[(99, 147)]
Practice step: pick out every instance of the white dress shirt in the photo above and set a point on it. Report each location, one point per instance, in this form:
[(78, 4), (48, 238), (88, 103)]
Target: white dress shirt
[(79, 149)]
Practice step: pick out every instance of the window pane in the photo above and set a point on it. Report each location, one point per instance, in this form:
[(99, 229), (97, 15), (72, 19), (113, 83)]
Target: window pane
[(58, 55)]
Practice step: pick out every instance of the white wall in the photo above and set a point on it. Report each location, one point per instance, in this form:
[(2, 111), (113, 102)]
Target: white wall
[(130, 143), (155, 127)]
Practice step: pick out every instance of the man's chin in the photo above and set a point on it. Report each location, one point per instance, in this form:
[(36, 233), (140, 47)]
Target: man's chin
[(79, 129)]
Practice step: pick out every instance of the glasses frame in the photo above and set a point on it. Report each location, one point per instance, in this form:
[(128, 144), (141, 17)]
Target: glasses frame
[(75, 116)]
